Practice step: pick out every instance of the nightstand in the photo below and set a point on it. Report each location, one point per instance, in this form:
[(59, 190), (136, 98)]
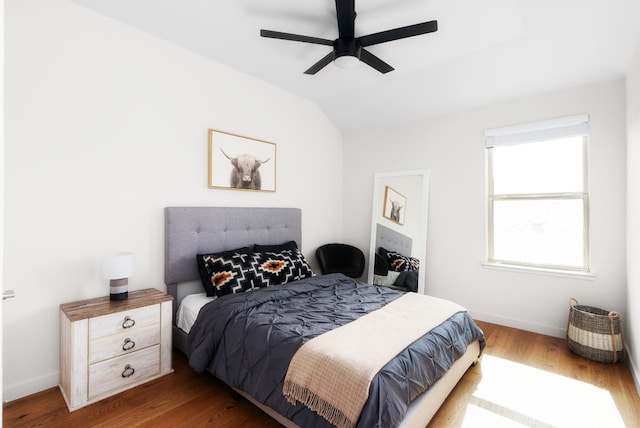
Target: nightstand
[(107, 347)]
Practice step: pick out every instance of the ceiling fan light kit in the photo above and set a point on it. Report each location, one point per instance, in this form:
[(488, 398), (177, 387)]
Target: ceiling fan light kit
[(348, 50), (346, 62)]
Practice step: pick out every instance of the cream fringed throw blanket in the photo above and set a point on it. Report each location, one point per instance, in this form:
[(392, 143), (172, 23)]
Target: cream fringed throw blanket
[(331, 373)]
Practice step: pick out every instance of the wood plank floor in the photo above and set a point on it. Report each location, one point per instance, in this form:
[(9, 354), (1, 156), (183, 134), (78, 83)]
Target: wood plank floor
[(524, 379)]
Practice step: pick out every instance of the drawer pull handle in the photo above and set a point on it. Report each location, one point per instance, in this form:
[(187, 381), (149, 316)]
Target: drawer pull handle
[(128, 322), (128, 371), (128, 344)]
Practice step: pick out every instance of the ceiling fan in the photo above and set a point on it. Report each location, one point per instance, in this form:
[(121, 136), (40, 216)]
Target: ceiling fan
[(348, 50)]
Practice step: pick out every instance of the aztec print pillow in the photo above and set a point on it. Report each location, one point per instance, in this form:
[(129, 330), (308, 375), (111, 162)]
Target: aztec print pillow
[(283, 266), (237, 273), (400, 263), (205, 277)]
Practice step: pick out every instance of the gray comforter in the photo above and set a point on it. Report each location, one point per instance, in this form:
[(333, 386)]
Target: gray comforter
[(248, 339)]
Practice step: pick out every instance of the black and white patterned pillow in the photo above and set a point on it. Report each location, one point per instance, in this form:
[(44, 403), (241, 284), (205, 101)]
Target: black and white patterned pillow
[(400, 263), (237, 273), (282, 267)]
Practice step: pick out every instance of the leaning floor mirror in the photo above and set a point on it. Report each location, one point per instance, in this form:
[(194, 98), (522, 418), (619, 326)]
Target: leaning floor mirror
[(397, 252)]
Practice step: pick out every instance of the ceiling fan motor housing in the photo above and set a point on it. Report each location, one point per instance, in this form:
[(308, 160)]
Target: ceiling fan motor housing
[(347, 47)]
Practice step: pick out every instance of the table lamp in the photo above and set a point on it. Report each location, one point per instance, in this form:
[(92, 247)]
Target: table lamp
[(118, 267)]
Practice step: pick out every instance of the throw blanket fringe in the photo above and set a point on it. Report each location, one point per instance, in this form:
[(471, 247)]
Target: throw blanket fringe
[(332, 414), (332, 373)]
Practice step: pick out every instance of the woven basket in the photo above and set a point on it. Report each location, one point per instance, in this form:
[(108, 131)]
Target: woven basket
[(594, 333)]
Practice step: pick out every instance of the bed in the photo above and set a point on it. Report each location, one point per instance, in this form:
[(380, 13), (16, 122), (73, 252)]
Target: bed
[(196, 230)]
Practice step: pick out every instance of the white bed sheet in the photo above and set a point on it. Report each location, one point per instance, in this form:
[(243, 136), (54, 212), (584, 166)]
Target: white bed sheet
[(189, 309)]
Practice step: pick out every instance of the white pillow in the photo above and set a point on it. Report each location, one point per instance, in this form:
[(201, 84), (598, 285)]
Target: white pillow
[(386, 280)]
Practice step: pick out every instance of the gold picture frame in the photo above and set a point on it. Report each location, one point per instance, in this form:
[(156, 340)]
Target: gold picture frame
[(237, 162), (395, 204)]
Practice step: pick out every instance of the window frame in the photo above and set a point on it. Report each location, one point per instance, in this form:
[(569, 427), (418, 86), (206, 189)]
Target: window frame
[(584, 196)]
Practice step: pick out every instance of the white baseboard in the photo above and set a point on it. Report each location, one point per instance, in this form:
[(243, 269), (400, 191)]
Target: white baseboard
[(13, 392), (635, 371), (519, 324)]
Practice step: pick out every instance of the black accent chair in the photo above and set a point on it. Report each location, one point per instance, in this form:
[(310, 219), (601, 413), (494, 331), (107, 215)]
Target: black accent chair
[(341, 258), (380, 267)]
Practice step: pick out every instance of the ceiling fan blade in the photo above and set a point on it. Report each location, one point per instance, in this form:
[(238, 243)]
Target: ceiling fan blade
[(295, 37), (346, 13), (320, 64), (375, 62), (399, 33)]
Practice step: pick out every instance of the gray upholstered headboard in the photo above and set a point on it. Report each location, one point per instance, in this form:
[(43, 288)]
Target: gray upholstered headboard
[(200, 230), (392, 240)]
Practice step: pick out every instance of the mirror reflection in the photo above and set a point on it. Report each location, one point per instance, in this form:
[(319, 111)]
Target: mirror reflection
[(399, 230)]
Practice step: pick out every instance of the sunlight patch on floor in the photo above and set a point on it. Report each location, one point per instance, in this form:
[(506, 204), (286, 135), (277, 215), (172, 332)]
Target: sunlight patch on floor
[(516, 395)]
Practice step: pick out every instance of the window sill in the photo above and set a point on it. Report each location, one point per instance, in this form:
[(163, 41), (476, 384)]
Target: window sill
[(540, 271)]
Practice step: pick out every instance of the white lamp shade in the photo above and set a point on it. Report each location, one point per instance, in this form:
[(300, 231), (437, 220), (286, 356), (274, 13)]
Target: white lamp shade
[(117, 265)]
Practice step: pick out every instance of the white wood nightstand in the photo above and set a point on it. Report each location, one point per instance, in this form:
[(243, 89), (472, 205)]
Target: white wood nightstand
[(107, 347)]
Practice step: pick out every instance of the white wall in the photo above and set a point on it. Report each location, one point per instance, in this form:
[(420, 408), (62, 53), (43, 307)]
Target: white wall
[(105, 126), (452, 148), (633, 216)]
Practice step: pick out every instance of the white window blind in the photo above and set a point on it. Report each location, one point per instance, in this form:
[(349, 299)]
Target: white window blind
[(570, 126)]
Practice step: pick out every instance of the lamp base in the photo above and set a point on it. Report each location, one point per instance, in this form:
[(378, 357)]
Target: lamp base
[(119, 289)]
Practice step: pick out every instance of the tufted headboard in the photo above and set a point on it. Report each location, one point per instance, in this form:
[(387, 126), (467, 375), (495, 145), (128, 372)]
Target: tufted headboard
[(200, 230), (392, 240)]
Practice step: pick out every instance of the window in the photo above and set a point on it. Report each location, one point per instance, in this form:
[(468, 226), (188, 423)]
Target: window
[(537, 197)]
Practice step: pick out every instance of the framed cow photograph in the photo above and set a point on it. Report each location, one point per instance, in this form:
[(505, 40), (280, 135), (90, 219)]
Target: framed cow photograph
[(237, 162), (394, 205)]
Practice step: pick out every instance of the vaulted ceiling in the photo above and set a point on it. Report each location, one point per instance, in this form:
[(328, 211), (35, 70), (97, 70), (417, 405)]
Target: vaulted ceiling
[(483, 52)]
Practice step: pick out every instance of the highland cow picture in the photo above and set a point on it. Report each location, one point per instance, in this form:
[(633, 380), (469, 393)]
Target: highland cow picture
[(394, 205), (241, 163)]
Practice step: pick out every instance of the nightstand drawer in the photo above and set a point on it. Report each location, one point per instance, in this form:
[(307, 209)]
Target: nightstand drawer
[(128, 321), (122, 343), (117, 373)]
